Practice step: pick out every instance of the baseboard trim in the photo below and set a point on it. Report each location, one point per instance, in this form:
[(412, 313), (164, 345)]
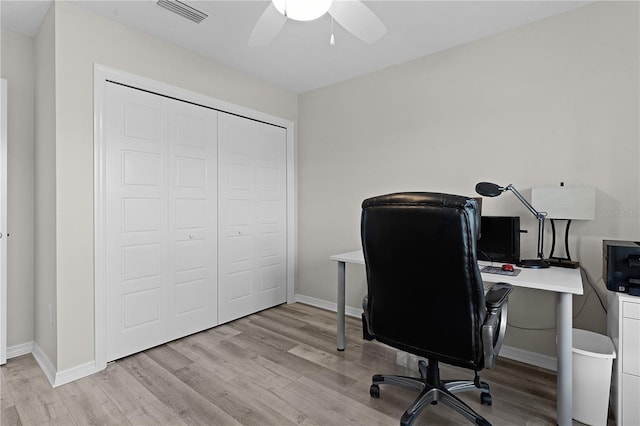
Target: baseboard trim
[(75, 373), (45, 363), (58, 378), (329, 306), (19, 350), (509, 352), (528, 357)]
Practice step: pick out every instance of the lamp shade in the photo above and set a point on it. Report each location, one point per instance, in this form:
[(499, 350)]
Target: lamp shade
[(565, 202)]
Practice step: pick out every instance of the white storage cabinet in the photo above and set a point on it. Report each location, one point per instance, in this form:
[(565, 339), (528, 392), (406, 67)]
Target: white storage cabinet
[(623, 326)]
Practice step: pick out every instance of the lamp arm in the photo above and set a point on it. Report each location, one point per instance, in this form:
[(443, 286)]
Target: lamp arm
[(539, 215), (487, 189), (524, 201)]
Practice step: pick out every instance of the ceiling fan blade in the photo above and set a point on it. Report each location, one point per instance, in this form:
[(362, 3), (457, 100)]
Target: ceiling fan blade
[(267, 27), (358, 19)]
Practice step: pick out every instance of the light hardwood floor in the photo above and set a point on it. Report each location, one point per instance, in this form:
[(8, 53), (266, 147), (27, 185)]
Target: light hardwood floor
[(276, 367)]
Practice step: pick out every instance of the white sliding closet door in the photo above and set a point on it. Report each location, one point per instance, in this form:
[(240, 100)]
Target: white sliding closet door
[(161, 219), (252, 225)]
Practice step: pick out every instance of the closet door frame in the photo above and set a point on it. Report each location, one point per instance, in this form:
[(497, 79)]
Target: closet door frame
[(102, 75)]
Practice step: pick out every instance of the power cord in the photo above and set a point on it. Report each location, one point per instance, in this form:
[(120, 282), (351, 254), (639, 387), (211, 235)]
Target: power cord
[(510, 324), (584, 273)]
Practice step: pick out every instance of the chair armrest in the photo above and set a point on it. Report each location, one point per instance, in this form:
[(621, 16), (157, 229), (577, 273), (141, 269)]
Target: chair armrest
[(495, 323), (497, 295), (366, 330)]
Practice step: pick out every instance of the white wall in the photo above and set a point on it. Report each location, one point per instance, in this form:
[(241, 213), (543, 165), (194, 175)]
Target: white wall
[(553, 101), (18, 70), (82, 39), (46, 274)]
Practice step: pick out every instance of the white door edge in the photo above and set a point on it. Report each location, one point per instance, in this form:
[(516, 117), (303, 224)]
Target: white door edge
[(102, 75), (3, 222)]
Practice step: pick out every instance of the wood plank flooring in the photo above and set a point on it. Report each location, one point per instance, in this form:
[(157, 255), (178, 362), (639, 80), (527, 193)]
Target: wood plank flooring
[(276, 367)]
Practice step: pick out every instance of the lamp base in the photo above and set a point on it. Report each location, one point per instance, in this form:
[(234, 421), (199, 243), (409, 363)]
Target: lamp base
[(533, 263), (563, 263)]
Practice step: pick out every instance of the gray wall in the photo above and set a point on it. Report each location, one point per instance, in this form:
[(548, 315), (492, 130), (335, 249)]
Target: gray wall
[(67, 45), (18, 70), (114, 45), (46, 206), (552, 101)]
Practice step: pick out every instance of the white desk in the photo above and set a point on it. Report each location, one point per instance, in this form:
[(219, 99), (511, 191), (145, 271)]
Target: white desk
[(565, 282)]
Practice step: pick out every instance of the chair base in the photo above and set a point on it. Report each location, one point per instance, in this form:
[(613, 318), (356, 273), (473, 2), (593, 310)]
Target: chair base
[(433, 390)]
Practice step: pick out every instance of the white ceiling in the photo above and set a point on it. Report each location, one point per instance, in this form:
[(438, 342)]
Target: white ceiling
[(300, 58)]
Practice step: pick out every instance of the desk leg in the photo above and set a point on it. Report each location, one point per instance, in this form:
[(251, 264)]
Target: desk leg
[(564, 404), (341, 303)]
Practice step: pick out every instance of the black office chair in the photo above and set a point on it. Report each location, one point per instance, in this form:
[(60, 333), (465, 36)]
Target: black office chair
[(426, 296)]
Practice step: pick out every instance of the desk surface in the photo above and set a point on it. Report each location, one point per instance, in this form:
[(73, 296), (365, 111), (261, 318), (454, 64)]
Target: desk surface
[(561, 280)]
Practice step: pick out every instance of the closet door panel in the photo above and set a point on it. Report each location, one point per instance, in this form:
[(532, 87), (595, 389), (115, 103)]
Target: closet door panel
[(136, 223), (193, 293), (252, 218), (161, 208)]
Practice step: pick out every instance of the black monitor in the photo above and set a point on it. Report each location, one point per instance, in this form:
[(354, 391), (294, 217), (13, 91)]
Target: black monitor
[(499, 239)]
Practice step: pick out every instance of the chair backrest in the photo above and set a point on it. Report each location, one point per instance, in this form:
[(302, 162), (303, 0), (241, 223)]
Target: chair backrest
[(425, 292)]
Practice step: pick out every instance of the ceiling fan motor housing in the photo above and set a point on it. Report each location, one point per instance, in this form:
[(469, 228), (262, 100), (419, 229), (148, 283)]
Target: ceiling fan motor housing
[(302, 10)]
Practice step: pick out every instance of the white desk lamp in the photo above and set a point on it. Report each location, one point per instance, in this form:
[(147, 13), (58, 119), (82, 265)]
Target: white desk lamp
[(564, 203)]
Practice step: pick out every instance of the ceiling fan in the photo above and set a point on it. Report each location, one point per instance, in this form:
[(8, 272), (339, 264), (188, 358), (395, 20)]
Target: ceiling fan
[(353, 15)]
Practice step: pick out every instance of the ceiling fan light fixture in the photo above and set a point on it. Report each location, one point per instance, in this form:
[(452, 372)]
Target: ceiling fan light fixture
[(302, 10)]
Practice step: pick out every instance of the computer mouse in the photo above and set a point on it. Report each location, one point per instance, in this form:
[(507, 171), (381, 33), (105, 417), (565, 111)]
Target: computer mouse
[(507, 267)]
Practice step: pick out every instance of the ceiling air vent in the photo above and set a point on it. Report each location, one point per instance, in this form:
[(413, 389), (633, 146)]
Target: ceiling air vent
[(183, 10)]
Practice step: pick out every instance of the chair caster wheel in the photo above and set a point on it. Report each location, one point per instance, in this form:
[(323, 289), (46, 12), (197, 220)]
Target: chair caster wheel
[(485, 398), (374, 391)]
